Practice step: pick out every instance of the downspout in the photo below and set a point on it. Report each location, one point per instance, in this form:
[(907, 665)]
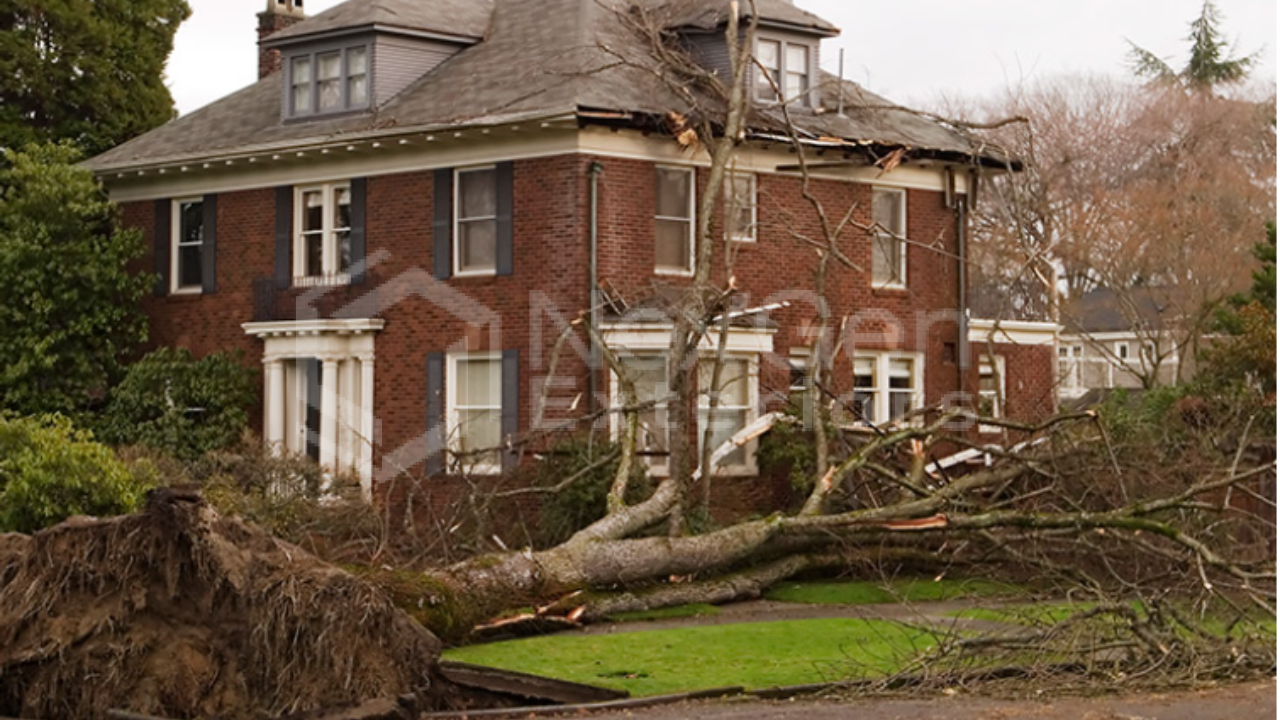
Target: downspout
[(961, 207), (593, 290)]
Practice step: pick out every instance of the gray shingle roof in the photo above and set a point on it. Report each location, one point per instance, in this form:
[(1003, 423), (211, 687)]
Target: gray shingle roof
[(468, 18), (539, 59), (1105, 310), (700, 14)]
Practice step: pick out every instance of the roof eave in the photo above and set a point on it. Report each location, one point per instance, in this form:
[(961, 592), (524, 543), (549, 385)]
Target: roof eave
[(320, 143), (274, 43)]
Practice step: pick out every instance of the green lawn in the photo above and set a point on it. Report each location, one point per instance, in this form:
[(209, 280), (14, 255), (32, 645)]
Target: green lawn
[(1025, 614), (754, 655), (1050, 613), (863, 592)]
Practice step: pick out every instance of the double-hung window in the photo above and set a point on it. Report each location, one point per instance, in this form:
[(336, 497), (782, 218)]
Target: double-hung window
[(1071, 367), (740, 215), (649, 375), (187, 271), (991, 387), (475, 418), (329, 81), (476, 219), (1149, 355), (783, 66), (769, 56), (322, 249), (797, 77), (888, 243), (673, 221), (735, 408), (887, 386)]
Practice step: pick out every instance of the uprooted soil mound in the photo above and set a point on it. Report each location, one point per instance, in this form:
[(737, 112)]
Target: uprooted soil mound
[(182, 613)]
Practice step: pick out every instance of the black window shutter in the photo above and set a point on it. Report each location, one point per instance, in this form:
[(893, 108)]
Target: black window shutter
[(510, 403), (359, 188), (442, 239), (209, 248), (435, 414), (505, 195), (162, 243), (284, 237)]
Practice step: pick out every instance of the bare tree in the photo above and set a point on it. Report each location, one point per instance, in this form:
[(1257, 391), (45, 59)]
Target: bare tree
[(1152, 194)]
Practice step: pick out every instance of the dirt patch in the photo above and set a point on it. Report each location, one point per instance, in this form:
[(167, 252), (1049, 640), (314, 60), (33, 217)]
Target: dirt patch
[(182, 613)]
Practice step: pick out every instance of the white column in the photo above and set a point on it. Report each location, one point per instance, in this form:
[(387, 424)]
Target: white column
[(348, 424), (273, 399), (365, 441), (329, 416)]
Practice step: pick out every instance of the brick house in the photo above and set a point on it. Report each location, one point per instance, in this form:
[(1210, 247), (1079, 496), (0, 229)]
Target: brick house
[(400, 216)]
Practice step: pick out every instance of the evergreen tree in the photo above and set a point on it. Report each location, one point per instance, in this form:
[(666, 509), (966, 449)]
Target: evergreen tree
[(69, 305), (1209, 64), (86, 71)]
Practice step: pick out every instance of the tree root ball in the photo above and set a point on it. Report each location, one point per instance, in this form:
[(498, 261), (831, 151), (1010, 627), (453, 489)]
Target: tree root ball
[(182, 613)]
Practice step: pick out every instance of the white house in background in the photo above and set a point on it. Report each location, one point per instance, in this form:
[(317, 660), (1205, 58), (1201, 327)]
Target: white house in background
[(1114, 340)]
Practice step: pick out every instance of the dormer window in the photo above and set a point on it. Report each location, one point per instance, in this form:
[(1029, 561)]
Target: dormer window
[(328, 81), (786, 66), (769, 53), (797, 72)]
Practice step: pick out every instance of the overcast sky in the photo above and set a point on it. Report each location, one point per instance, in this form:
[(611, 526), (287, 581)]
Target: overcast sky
[(908, 50)]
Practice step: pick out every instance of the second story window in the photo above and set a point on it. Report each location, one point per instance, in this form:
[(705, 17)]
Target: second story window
[(322, 249), (786, 68), (328, 81), (797, 72), (769, 55), (673, 221), (477, 221), (888, 245), (740, 215), (188, 246)]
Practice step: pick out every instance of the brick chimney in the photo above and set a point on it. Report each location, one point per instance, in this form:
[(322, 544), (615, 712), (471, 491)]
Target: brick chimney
[(279, 15)]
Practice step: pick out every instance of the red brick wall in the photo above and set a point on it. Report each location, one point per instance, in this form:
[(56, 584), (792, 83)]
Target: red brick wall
[(1030, 382), (779, 262), (551, 268)]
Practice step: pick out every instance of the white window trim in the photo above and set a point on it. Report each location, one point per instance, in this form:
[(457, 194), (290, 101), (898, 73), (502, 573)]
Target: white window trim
[(1071, 382), (751, 466), (328, 236), (902, 240), (882, 390), (1149, 352), (457, 220), (754, 204), (452, 423), (787, 72), (175, 242), (1121, 349), (654, 340), (999, 395), (616, 401), (692, 219), (805, 100)]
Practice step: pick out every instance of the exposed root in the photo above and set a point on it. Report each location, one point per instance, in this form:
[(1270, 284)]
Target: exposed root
[(182, 613)]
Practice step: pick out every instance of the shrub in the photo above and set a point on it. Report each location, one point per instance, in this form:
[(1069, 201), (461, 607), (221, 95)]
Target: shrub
[(586, 500), (186, 407), (50, 471)]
